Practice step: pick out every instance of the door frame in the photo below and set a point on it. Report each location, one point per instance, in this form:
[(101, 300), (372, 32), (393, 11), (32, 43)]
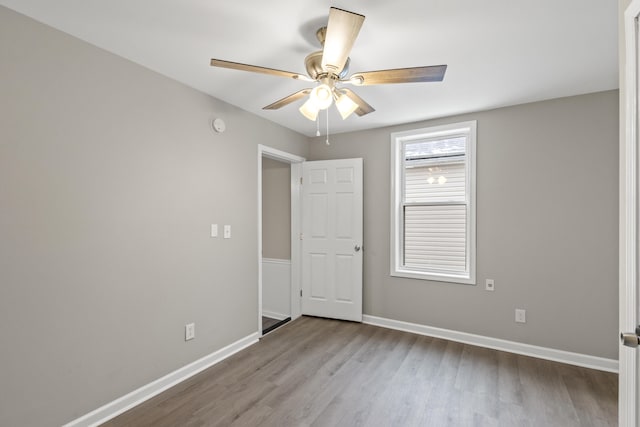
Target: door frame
[(628, 231), (296, 212)]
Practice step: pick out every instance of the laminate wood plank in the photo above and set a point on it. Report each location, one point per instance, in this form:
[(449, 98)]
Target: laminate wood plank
[(596, 409), (545, 394), (604, 388), (255, 416), (509, 385), (354, 404), (318, 366), (320, 383), (443, 405), (268, 322), (325, 406), (321, 372), (272, 354), (413, 403), (477, 378), (403, 398)]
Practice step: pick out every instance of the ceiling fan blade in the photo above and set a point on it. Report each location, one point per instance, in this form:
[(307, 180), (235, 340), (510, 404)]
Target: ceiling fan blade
[(288, 99), (255, 69), (342, 31), (363, 107), (433, 73)]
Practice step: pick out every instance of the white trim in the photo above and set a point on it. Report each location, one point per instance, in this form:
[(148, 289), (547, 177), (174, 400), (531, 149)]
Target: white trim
[(469, 129), (274, 315), (296, 245), (437, 277), (146, 392), (260, 239), (584, 360), (628, 382), (296, 175), (276, 261), (279, 155)]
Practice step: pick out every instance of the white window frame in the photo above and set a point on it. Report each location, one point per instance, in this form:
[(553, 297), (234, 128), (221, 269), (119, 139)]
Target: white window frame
[(398, 140)]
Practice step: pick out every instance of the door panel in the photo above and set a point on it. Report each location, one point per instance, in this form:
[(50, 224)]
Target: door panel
[(318, 215), (344, 215), (318, 276), (331, 239), (344, 273)]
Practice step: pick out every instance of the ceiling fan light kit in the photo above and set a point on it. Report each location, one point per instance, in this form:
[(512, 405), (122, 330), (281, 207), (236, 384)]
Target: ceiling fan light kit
[(322, 96), (310, 110), (345, 105), (329, 68)]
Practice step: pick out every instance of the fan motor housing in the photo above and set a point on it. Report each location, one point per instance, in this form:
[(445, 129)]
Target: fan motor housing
[(313, 64)]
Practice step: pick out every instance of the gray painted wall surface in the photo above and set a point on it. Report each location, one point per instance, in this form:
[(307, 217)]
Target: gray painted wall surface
[(110, 177), (276, 209), (547, 218)]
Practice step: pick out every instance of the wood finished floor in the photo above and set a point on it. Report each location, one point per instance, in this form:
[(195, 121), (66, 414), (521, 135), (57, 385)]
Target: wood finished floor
[(318, 372), (268, 322)]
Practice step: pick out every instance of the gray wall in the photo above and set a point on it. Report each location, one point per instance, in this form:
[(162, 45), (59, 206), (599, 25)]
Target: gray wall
[(276, 209), (547, 218), (110, 177)]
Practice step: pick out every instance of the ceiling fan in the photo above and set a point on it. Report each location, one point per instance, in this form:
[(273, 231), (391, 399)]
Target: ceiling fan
[(330, 66)]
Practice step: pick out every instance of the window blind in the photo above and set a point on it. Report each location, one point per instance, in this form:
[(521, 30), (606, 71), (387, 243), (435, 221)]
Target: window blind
[(435, 237)]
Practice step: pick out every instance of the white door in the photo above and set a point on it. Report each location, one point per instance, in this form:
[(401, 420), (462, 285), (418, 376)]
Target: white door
[(332, 239), (629, 378)]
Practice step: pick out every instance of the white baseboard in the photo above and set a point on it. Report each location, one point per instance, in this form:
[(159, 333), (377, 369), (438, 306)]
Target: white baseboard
[(136, 397), (274, 315), (584, 360)]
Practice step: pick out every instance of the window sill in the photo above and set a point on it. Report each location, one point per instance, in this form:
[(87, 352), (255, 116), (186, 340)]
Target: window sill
[(436, 277)]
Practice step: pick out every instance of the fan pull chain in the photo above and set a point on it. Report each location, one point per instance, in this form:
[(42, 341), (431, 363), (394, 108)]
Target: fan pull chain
[(318, 125), (327, 141)]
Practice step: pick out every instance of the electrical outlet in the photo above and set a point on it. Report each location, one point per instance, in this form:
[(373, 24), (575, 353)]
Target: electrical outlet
[(521, 315), (189, 331), (489, 285)]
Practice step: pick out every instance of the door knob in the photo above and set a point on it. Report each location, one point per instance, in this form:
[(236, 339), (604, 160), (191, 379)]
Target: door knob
[(357, 248), (631, 339)]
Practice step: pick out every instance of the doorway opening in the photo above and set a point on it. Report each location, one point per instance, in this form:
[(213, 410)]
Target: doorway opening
[(276, 244), (278, 238)]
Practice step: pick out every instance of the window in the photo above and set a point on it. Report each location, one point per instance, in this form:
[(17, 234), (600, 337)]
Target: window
[(433, 203)]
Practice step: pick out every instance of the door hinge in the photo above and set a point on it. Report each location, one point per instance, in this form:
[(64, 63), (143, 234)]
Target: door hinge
[(300, 293), (300, 180), (301, 236)]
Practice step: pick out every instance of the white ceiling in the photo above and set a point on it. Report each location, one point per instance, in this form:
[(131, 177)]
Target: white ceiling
[(498, 52)]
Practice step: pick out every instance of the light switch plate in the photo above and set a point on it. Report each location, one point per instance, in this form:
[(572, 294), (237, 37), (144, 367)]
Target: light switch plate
[(214, 230), (227, 231)]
